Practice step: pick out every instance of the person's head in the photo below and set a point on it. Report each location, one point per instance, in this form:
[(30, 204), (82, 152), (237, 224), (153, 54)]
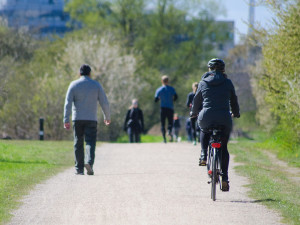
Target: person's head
[(216, 65), (85, 70), (195, 87), (165, 79), (135, 103), (175, 116)]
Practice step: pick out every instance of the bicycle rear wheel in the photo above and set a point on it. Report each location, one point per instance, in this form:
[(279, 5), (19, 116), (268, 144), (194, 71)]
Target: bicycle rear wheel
[(214, 178), (209, 161)]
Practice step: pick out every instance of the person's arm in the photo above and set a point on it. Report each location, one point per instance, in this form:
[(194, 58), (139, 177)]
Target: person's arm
[(142, 120), (156, 97), (234, 105), (68, 107), (126, 120), (104, 104), (175, 96), (188, 101), (197, 102)]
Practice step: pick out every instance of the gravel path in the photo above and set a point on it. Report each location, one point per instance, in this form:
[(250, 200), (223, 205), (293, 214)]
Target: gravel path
[(141, 184)]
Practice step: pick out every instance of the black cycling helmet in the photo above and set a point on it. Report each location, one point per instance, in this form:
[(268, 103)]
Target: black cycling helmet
[(216, 64)]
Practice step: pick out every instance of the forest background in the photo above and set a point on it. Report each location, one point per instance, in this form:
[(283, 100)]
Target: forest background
[(130, 46)]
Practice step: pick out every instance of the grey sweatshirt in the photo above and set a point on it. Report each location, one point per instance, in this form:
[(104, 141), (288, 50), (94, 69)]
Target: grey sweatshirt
[(82, 96)]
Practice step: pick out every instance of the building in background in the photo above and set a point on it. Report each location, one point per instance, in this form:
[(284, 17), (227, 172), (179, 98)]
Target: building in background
[(227, 31), (41, 17)]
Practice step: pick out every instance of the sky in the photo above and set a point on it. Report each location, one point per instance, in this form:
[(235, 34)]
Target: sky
[(238, 11)]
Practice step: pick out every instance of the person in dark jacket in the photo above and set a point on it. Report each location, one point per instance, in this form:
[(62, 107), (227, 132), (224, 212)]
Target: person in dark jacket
[(188, 128), (189, 102), (213, 100), (134, 122)]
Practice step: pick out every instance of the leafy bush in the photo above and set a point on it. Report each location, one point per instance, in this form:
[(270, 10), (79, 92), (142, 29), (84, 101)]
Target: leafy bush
[(281, 80)]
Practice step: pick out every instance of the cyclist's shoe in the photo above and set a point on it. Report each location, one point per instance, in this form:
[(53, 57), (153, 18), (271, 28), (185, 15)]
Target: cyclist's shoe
[(225, 185), (89, 169), (202, 162)]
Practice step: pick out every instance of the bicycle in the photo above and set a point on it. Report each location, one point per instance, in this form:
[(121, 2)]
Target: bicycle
[(215, 159)]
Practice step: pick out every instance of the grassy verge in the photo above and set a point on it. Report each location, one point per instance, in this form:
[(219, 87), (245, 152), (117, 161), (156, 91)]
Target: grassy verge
[(289, 152), (25, 163), (144, 139), (269, 184)]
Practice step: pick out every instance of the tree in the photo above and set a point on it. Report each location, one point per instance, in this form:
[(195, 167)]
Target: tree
[(168, 36), (281, 80), (37, 88)]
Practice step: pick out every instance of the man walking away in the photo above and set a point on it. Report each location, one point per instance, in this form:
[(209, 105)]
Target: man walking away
[(82, 96), (166, 94)]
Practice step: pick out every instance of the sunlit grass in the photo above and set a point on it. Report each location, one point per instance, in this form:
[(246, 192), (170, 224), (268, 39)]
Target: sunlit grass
[(25, 163), (269, 184), (144, 139)]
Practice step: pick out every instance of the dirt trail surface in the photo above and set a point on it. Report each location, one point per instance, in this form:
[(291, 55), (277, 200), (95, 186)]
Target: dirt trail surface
[(142, 184)]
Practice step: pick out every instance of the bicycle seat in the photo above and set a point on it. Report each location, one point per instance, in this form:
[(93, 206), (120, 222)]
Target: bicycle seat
[(214, 129)]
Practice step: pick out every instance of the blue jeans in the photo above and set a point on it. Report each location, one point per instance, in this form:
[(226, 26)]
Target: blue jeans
[(84, 130)]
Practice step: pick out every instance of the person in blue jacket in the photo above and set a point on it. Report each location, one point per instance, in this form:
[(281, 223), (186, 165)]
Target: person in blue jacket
[(166, 94), (213, 100)]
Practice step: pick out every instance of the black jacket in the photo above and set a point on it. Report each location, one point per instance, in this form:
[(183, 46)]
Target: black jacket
[(214, 99), (134, 119), (176, 123), (189, 99)]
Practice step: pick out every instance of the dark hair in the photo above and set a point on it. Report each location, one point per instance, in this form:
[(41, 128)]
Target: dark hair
[(85, 70)]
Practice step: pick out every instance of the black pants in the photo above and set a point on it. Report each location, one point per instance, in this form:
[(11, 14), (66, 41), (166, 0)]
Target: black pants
[(166, 113), (84, 130), (204, 139), (194, 131), (134, 135)]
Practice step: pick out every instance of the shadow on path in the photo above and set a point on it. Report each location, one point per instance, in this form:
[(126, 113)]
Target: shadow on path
[(254, 201)]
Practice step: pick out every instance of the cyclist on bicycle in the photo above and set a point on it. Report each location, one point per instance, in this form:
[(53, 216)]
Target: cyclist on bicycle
[(212, 100)]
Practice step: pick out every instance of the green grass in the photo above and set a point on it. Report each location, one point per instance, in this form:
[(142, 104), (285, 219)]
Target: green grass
[(247, 122), (288, 151), (144, 139), (269, 184), (25, 163)]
